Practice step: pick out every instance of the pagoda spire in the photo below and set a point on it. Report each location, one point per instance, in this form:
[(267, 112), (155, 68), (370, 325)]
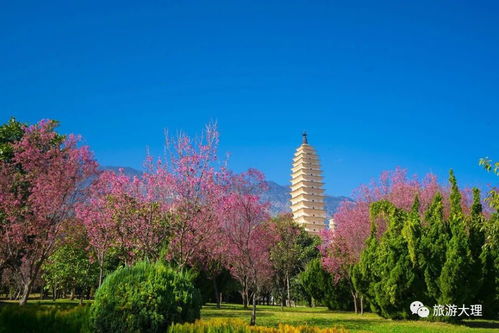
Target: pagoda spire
[(304, 138)]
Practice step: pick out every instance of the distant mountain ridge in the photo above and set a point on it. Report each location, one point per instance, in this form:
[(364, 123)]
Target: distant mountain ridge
[(126, 170), (277, 195)]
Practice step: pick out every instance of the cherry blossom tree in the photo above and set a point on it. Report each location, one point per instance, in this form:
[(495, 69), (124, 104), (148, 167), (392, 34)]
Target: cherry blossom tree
[(248, 238), (193, 185), (120, 214), (174, 206), (39, 187)]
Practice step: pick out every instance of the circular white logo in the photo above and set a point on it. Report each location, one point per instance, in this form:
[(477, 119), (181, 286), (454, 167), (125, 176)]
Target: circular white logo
[(415, 306), (423, 312)]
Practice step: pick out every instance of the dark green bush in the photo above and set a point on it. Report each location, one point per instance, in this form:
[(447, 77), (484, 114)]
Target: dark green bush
[(40, 318), (144, 298), (319, 284)]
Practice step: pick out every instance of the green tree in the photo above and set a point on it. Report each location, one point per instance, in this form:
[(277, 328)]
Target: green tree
[(289, 255), (434, 242), (320, 286), (488, 294), (365, 272), (69, 269), (456, 282), (10, 132), (397, 278), (435, 260), (476, 239), (144, 298)]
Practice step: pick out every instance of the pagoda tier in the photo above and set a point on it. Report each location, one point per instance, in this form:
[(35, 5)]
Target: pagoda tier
[(307, 193)]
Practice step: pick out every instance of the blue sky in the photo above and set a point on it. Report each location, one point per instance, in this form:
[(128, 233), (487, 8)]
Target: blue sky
[(376, 84)]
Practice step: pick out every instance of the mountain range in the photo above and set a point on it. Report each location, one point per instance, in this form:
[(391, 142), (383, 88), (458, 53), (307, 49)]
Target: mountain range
[(277, 195)]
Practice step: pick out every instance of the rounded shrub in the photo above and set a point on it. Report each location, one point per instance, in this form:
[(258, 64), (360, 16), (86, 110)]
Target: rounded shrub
[(144, 298)]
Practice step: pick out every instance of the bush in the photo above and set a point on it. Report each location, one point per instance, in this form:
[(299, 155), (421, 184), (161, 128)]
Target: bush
[(39, 318), (144, 298), (235, 325), (319, 284)]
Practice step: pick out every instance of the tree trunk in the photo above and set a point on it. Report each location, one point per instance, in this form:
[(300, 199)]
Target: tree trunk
[(355, 302), (361, 305), (288, 296), (217, 295), (26, 292), (253, 312), (101, 272), (246, 296)]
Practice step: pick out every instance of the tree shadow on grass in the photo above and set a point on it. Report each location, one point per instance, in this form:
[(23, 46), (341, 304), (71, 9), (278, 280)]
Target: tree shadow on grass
[(46, 304), (234, 315), (225, 307), (360, 324), (481, 324)]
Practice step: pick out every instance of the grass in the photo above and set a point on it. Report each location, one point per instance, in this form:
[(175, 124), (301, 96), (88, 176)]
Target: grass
[(43, 317), (65, 312), (321, 317)]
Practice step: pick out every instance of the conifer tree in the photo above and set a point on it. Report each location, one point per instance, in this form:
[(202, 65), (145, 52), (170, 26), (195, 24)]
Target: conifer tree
[(396, 284), (455, 280), (455, 198), (434, 247), (364, 272), (476, 241), (488, 294), (412, 233)]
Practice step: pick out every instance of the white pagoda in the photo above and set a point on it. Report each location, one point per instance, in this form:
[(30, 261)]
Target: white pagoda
[(307, 193)]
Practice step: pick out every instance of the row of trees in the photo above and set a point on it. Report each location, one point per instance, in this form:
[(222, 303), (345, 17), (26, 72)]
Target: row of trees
[(405, 240), (65, 224)]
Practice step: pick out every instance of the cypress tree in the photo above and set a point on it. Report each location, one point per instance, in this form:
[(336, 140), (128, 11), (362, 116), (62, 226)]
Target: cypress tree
[(455, 197), (364, 273), (412, 232), (396, 285), (434, 242), (488, 294), (456, 278), (476, 242)]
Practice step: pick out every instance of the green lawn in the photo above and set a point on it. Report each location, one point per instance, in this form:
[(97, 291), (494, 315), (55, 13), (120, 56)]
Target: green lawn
[(272, 316)]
